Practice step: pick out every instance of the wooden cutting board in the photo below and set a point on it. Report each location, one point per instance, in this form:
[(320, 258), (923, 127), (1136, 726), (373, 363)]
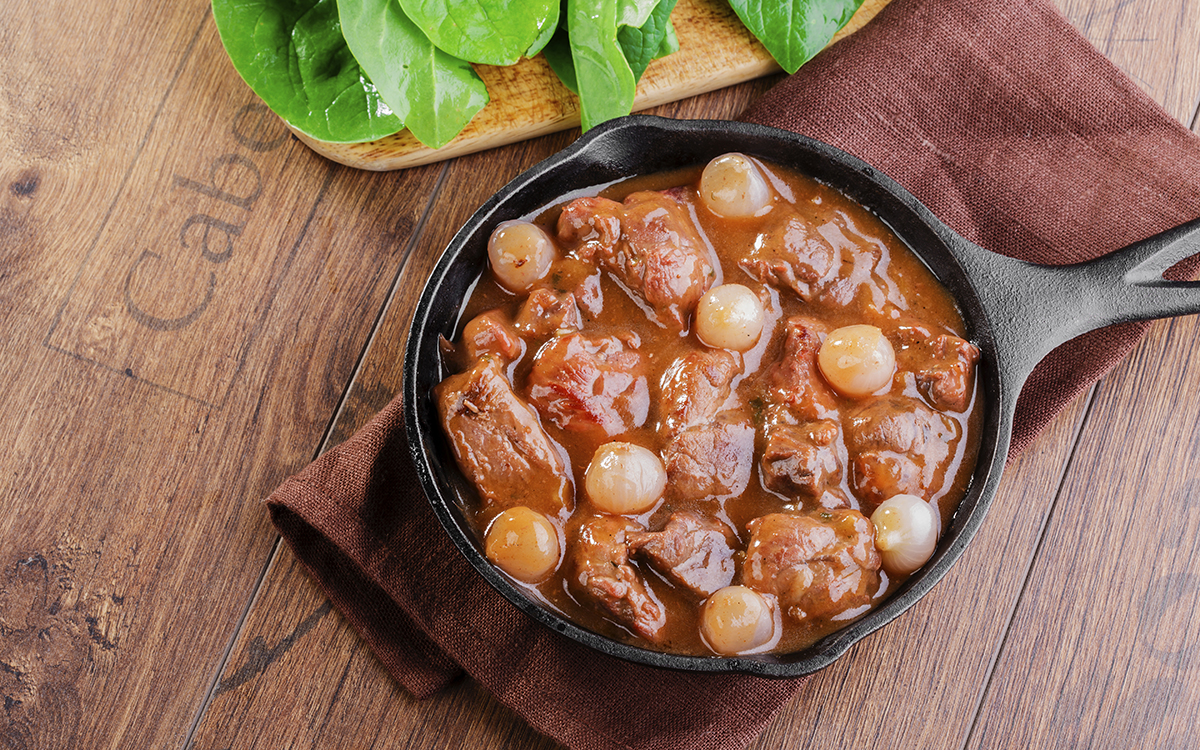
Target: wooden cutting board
[(528, 100)]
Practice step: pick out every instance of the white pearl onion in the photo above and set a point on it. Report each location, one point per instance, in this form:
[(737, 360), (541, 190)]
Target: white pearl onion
[(857, 360), (729, 316), (736, 620), (521, 254), (732, 186), (523, 543), (624, 478), (906, 533)]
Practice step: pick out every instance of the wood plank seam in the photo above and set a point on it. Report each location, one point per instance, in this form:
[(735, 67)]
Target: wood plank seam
[(337, 691), (998, 651), (211, 691), (418, 231)]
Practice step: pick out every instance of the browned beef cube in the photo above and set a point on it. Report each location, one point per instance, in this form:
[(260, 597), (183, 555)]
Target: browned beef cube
[(819, 565), (712, 460), (492, 333), (801, 461), (694, 388), (693, 550), (792, 255), (594, 386), (499, 443), (943, 365), (947, 379), (600, 573), (794, 380), (589, 225), (649, 244), (544, 313), (662, 257), (897, 446)]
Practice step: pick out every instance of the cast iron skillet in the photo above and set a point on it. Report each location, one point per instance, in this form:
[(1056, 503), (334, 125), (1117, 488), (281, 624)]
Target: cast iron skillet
[(1016, 313)]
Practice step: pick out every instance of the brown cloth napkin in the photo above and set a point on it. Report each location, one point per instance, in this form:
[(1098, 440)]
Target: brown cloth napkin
[(997, 115)]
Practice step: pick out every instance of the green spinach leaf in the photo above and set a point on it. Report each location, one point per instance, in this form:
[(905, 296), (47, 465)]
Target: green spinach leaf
[(605, 80), (638, 45), (634, 12), (558, 54), (641, 44), (548, 32), (492, 32), (794, 30), (292, 54), (433, 93), (670, 42)]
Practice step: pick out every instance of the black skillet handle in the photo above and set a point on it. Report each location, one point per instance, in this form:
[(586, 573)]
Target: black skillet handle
[(1035, 308)]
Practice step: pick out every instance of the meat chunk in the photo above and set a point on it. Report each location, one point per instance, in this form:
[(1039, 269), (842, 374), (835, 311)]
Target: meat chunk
[(499, 443), (600, 573), (794, 380), (544, 313), (792, 255), (649, 244), (694, 388), (594, 386), (898, 446), (588, 226), (819, 565), (802, 461), (711, 460), (709, 453), (693, 550), (492, 333), (945, 371)]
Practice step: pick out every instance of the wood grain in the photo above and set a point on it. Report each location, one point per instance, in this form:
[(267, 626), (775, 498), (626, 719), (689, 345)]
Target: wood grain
[(528, 100), (1105, 647), (132, 538), (1151, 41), (934, 662)]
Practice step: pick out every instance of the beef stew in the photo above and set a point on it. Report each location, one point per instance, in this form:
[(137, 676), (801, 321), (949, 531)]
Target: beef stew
[(734, 396)]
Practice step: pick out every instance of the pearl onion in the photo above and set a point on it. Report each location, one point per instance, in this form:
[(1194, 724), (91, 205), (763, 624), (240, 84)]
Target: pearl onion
[(729, 316), (906, 533), (520, 254), (737, 619), (732, 186), (857, 360), (523, 543), (625, 479)]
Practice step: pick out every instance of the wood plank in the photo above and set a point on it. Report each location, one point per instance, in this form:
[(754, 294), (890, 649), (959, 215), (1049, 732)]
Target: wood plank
[(133, 540), (528, 100), (1105, 646)]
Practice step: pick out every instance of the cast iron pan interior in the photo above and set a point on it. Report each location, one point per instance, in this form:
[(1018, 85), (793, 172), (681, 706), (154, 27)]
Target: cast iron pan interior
[(1016, 313)]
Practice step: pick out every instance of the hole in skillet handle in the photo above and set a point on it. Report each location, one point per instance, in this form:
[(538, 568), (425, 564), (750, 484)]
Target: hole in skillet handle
[(638, 145)]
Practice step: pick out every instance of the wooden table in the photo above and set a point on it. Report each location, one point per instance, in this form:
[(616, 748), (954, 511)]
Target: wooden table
[(145, 601)]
